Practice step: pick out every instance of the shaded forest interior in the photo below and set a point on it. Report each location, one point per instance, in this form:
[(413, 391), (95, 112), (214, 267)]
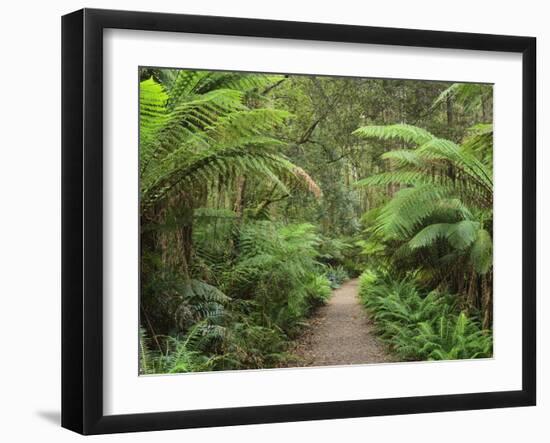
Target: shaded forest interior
[(261, 193)]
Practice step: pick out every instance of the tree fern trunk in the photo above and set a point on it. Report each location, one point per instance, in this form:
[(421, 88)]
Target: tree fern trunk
[(186, 245), (240, 196), (487, 299)]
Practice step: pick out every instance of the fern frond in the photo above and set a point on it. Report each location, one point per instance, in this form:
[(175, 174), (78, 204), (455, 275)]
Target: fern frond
[(481, 253), (461, 235), (429, 235), (407, 133), (479, 142), (409, 208), (469, 95), (395, 177)]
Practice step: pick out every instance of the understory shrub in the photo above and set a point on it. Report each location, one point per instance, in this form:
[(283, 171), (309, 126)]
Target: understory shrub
[(245, 308), (419, 325), (277, 268)]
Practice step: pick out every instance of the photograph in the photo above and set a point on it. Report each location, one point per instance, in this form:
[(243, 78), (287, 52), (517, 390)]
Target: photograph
[(292, 220)]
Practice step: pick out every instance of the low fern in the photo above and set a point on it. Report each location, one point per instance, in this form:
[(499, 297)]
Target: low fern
[(420, 326), (177, 357)]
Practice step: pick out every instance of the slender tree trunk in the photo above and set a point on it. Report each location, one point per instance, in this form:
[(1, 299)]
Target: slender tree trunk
[(238, 207), (487, 300), (450, 115), (184, 248), (483, 109)]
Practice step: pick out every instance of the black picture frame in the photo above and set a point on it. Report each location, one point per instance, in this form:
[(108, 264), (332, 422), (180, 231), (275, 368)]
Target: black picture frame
[(82, 218)]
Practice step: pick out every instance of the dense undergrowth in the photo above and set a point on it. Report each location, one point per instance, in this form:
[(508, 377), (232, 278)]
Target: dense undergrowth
[(247, 307), (421, 325)]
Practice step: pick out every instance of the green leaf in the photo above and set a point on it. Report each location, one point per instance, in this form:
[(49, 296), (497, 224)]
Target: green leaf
[(481, 253)]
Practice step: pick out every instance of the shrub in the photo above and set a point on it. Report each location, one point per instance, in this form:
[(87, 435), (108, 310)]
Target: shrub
[(277, 268)]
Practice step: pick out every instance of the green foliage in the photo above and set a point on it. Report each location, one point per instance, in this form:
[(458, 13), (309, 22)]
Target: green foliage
[(473, 96), (479, 142), (481, 252), (195, 131), (176, 358), (333, 250), (407, 133), (268, 289), (366, 279), (421, 326), (277, 267), (206, 273), (466, 235), (342, 257), (318, 289), (439, 168), (442, 210), (259, 195), (249, 345), (176, 303)]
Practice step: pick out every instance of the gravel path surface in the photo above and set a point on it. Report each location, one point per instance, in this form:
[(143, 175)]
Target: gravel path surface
[(341, 333)]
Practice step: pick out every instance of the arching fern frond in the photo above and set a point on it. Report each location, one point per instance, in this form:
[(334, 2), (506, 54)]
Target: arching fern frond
[(409, 207), (479, 142), (407, 133), (429, 235), (198, 128), (440, 149), (395, 177), (469, 95), (250, 122), (461, 235), (481, 253)]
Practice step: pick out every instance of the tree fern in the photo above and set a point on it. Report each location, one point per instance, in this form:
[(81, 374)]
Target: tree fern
[(198, 128), (445, 195)]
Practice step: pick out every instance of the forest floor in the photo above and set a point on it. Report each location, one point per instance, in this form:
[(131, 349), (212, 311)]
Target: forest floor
[(341, 333)]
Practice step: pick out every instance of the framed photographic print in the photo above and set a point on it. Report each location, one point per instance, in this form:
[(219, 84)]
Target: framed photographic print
[(269, 221)]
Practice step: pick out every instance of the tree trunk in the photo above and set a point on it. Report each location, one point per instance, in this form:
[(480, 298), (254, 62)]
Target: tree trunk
[(239, 198), (186, 232), (487, 300), (450, 116)]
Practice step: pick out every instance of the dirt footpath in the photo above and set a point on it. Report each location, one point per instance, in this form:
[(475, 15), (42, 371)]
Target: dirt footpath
[(341, 333)]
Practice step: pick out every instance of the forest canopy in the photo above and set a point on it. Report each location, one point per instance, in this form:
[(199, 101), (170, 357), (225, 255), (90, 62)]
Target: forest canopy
[(262, 194)]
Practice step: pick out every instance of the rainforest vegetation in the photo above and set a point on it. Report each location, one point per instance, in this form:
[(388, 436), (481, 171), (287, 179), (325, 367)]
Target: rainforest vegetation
[(260, 194)]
